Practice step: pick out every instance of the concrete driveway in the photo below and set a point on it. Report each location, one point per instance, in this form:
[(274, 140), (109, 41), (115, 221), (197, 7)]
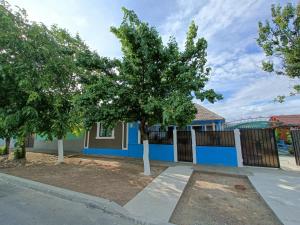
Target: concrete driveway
[(22, 205), (281, 190)]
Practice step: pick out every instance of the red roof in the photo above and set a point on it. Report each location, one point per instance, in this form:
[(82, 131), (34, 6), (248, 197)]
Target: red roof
[(287, 119)]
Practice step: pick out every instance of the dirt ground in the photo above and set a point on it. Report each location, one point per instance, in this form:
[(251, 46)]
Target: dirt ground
[(214, 199), (111, 178)]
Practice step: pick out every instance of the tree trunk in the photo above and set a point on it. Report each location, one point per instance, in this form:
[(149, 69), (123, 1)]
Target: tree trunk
[(7, 144), (23, 151), (60, 146), (144, 137)]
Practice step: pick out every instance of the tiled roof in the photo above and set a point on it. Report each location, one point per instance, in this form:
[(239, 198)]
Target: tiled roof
[(287, 119), (205, 114)]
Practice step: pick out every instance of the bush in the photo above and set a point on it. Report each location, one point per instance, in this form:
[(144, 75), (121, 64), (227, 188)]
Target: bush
[(291, 150), (289, 138), (19, 153), (4, 150)]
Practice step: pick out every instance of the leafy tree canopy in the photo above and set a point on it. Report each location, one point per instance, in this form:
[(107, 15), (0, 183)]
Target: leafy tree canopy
[(153, 83), (280, 40), (40, 69)]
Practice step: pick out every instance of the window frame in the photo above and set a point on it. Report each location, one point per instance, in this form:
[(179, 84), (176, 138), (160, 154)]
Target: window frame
[(99, 126)]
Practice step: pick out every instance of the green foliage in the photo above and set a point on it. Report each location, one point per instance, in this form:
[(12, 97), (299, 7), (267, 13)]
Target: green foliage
[(280, 40), (277, 135), (291, 150), (39, 73), (4, 150), (289, 137), (19, 150), (19, 153), (153, 83)]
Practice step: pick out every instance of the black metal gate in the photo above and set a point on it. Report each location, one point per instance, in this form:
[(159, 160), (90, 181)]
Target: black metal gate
[(259, 148), (296, 145), (184, 146)]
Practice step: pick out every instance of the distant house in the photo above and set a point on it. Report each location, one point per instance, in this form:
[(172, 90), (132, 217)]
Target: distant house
[(286, 120), (125, 140), (206, 120), (284, 123)]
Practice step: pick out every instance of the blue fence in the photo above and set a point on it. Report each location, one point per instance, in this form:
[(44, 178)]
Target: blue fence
[(216, 148), (216, 156)]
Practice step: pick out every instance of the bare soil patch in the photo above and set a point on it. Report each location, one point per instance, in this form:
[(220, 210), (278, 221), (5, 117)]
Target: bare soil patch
[(217, 199), (116, 179)]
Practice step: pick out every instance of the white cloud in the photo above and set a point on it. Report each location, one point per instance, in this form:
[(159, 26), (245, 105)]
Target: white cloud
[(230, 27), (77, 16), (256, 99)]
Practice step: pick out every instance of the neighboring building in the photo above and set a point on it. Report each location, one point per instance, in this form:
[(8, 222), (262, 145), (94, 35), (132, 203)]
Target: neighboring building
[(284, 123), (286, 120), (72, 144), (206, 120)]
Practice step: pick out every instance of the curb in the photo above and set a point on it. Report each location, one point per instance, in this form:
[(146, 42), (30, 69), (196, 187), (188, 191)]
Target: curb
[(90, 201)]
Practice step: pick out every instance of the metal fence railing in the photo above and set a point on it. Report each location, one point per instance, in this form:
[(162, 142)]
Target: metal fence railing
[(160, 137), (259, 148), (296, 145), (215, 138)]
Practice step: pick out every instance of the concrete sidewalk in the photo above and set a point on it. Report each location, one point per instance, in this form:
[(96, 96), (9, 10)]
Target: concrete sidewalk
[(281, 191), (158, 200), (26, 206), (27, 202)]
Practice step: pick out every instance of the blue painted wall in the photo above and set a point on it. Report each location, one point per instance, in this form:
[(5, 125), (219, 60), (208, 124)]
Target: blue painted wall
[(215, 155), (156, 152), (222, 156), (133, 130)]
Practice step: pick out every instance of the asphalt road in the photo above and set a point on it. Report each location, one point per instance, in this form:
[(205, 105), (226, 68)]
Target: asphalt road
[(23, 206)]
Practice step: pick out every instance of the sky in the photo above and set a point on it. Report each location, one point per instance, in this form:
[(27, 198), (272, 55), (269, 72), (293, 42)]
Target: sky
[(229, 26)]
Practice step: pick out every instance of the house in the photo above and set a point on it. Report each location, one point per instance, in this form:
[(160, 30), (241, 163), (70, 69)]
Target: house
[(206, 120), (125, 140), (72, 144), (284, 123)]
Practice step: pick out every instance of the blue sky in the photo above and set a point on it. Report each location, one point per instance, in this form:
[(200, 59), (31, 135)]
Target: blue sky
[(229, 26)]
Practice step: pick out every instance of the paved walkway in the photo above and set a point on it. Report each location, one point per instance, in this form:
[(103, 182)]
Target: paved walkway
[(281, 190), (288, 163), (158, 200)]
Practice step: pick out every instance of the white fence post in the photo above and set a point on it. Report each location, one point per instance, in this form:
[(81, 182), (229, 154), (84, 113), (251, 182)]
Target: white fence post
[(175, 144), (147, 171), (237, 139), (194, 145), (60, 150)]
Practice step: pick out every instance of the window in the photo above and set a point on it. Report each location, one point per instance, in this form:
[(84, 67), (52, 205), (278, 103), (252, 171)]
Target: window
[(209, 128), (199, 128), (104, 133)]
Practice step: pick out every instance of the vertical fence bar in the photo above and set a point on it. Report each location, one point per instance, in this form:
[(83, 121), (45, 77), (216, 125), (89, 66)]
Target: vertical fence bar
[(175, 144), (194, 146)]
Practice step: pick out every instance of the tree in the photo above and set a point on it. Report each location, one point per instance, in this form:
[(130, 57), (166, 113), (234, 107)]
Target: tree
[(280, 40), (153, 83), (60, 85), (15, 114), (38, 76)]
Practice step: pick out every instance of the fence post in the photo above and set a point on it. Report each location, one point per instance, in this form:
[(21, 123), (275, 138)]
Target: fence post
[(237, 139), (175, 143), (194, 145)]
